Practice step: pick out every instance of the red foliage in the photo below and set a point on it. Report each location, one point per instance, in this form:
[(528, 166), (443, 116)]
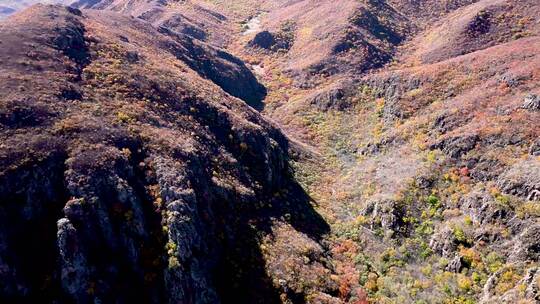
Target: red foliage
[(464, 171)]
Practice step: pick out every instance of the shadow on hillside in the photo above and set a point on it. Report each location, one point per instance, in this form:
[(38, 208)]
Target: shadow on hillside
[(241, 277), (227, 71), (28, 231)]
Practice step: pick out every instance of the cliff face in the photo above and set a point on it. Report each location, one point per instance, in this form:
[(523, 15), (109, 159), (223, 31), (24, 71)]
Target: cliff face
[(124, 175)]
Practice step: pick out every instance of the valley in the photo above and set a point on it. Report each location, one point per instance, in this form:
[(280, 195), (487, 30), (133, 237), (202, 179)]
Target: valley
[(216, 151)]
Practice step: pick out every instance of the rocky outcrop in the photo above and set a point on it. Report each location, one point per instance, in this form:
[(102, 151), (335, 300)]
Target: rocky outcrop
[(391, 87), (456, 264), (336, 97), (483, 209), (147, 187), (531, 102), (444, 242), (527, 245), (522, 179), (527, 288), (456, 147), (281, 40), (534, 149), (386, 214)]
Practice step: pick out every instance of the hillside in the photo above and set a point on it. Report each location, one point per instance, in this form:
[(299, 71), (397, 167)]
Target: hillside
[(127, 176), (219, 151)]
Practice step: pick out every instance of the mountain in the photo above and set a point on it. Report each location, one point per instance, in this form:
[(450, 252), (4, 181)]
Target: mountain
[(428, 173), (127, 174), (8, 7), (197, 151)]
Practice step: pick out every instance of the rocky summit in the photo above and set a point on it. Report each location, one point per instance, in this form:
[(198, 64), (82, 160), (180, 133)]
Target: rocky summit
[(270, 151)]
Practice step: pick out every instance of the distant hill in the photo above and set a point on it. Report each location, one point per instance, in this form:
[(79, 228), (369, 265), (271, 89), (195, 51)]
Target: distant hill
[(8, 7)]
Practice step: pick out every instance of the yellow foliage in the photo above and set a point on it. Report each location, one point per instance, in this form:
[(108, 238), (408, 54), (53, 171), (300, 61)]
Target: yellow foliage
[(305, 33), (123, 117), (464, 283)]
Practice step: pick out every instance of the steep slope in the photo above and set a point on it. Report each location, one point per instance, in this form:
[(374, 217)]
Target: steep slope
[(320, 39), (429, 167), (425, 12), (435, 171), (430, 180), (127, 177)]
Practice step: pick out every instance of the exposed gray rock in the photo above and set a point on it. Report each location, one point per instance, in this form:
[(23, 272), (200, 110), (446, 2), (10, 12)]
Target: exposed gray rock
[(482, 208), (449, 121), (527, 245), (512, 80), (486, 234), (387, 214), (516, 294), (484, 168), (535, 148), (443, 242), (522, 179), (391, 88), (424, 182), (73, 261), (113, 211), (531, 102), (455, 147), (455, 265), (531, 280), (330, 99)]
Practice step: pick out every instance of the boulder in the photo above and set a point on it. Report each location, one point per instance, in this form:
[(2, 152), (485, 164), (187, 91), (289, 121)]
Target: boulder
[(456, 264)]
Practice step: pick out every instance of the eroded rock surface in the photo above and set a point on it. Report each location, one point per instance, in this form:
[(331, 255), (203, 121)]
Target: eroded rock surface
[(148, 181)]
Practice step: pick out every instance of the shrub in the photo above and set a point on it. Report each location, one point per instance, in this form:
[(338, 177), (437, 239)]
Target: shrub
[(476, 278), (433, 201), (471, 257), (123, 117), (507, 281), (459, 235), (467, 220), (173, 262), (426, 251), (464, 283), (494, 262)]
